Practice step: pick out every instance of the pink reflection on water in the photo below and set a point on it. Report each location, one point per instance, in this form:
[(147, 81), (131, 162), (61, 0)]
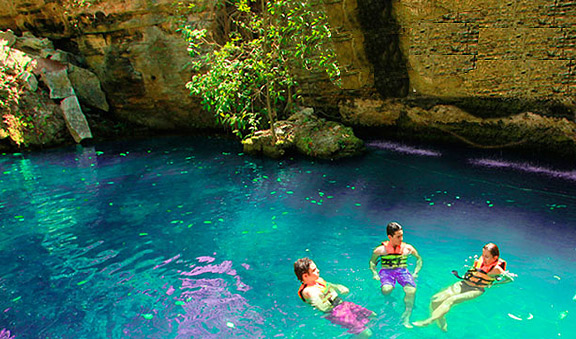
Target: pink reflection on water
[(167, 261), (224, 267), (569, 175), (5, 334), (211, 310), (403, 148), (205, 259)]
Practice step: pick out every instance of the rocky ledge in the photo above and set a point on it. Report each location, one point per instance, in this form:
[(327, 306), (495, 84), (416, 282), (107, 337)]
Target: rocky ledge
[(306, 134)]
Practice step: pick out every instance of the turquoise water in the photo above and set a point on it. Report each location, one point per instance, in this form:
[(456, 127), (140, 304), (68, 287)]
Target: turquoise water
[(190, 238)]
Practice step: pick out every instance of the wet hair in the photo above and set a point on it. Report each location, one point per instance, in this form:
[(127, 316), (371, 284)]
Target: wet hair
[(302, 266), (392, 228), (493, 249)]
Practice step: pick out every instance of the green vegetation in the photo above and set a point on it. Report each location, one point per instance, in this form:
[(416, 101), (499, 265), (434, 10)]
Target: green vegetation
[(13, 67), (248, 62)]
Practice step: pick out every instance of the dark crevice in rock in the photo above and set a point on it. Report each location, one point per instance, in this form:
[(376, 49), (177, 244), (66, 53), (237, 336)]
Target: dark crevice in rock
[(381, 31)]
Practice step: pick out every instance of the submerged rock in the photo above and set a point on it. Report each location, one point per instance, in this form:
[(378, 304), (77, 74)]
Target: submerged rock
[(306, 134)]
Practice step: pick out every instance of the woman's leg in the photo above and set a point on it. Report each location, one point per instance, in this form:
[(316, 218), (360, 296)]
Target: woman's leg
[(444, 302)]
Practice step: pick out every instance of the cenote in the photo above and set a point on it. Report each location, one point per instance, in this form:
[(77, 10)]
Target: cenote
[(190, 238)]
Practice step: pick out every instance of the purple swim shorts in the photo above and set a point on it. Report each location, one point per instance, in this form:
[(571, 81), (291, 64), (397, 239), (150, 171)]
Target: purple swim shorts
[(351, 316), (389, 276)]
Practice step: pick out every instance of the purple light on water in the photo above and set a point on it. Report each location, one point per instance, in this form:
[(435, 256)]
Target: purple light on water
[(224, 267), (167, 261), (211, 310), (403, 149), (205, 259), (5, 334), (208, 303), (569, 175)]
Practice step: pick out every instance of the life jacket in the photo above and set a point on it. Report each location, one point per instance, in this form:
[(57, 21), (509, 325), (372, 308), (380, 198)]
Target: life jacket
[(394, 257), (478, 274), (321, 282)]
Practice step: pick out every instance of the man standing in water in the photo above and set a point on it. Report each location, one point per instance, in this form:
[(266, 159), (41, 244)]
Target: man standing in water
[(393, 255)]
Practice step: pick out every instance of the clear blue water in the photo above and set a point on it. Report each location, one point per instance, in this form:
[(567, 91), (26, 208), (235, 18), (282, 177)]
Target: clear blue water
[(190, 238)]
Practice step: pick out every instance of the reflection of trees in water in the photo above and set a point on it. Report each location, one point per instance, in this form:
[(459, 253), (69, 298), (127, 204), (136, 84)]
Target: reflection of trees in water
[(211, 309)]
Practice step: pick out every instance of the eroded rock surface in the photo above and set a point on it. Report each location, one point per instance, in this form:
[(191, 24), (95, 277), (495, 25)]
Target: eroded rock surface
[(306, 134)]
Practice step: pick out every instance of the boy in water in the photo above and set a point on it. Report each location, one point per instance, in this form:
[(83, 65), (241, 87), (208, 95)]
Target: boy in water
[(393, 255), (324, 296)]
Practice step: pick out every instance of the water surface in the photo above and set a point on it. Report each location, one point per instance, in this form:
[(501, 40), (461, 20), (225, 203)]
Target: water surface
[(190, 238)]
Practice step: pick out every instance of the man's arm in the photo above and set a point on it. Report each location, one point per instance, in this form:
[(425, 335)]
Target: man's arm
[(418, 261), (374, 263), (339, 288), (315, 298)]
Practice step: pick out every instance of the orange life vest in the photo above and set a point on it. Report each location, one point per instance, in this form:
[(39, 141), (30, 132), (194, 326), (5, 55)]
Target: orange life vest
[(394, 257), (478, 274), (320, 282)]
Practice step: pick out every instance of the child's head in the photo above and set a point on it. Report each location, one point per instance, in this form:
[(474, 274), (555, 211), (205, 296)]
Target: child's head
[(302, 266)]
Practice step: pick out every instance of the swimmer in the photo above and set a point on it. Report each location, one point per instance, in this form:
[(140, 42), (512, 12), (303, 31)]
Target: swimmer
[(393, 255), (324, 296), (487, 271)]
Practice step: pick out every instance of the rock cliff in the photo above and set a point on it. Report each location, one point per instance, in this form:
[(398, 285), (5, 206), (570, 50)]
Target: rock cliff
[(132, 46), (486, 72)]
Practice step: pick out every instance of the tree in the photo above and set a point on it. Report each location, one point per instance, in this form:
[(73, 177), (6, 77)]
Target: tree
[(248, 65)]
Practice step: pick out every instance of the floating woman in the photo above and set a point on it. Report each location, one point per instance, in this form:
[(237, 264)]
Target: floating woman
[(487, 271)]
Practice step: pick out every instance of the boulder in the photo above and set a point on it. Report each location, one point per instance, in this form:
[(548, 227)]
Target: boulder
[(31, 81), (31, 44), (8, 37), (58, 83), (87, 87), (75, 119), (307, 134)]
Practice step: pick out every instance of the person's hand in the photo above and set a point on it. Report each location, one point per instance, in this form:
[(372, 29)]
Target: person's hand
[(415, 275), (376, 277), (343, 289)]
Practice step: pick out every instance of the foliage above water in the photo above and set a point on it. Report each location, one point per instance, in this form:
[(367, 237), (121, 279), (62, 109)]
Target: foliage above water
[(14, 67), (248, 62)]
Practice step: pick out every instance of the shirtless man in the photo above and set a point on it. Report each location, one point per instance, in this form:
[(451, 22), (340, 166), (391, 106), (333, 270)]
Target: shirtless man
[(393, 255)]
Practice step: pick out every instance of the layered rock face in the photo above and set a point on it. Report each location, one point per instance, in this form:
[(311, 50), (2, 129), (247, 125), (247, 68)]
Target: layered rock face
[(509, 49), (132, 46), (489, 72)]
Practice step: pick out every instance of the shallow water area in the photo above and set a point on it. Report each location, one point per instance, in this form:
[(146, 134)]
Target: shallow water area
[(190, 238)]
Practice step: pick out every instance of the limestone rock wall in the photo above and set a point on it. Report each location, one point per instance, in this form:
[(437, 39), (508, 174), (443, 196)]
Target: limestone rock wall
[(132, 47), (498, 60), (520, 49)]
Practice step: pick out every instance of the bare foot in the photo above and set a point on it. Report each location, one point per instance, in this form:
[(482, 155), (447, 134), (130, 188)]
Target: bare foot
[(421, 323), (442, 324), (406, 321)]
